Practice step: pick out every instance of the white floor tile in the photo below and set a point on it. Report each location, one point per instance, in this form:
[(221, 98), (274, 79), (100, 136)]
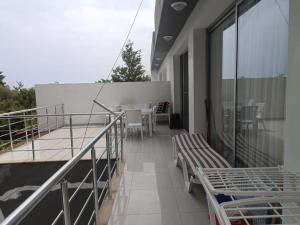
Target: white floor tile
[(151, 180), (190, 202), (199, 218), (152, 201), (152, 219)]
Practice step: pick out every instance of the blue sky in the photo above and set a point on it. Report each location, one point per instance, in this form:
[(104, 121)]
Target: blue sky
[(69, 41)]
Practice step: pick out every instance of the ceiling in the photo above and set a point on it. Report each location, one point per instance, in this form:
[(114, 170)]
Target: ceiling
[(170, 24)]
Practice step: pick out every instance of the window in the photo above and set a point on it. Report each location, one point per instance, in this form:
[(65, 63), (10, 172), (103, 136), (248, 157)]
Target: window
[(248, 67)]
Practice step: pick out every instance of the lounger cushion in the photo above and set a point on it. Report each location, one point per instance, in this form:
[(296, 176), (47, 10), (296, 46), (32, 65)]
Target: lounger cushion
[(197, 152)]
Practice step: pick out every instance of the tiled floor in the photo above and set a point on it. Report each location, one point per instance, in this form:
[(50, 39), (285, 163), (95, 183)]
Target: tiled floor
[(152, 188), (54, 146)]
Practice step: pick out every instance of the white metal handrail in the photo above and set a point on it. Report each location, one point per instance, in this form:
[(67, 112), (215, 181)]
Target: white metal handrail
[(29, 110), (25, 121), (60, 176), (21, 127)]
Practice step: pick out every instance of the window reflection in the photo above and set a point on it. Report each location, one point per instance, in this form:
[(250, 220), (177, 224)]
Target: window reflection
[(223, 63), (247, 109), (262, 67)]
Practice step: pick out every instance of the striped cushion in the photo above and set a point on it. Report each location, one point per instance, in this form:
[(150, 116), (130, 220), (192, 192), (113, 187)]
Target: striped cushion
[(190, 141), (197, 152)]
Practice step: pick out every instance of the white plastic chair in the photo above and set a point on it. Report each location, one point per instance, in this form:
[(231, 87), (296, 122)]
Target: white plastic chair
[(127, 107), (143, 106), (134, 121)]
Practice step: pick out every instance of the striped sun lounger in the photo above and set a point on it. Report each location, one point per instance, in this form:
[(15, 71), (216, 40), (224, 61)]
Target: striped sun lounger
[(192, 151)]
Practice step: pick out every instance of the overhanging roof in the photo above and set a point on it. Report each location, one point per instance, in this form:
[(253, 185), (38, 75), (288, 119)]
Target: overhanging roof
[(170, 23)]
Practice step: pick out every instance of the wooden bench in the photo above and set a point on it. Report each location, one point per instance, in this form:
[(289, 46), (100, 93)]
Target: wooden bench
[(192, 151)]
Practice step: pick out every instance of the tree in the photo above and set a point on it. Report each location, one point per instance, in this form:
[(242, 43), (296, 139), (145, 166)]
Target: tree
[(17, 98), (103, 81), (133, 70), (2, 77), (19, 86)]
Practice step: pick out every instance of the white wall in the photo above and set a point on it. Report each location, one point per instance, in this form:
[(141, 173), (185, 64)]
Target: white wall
[(197, 82), (193, 38), (292, 126), (78, 98)]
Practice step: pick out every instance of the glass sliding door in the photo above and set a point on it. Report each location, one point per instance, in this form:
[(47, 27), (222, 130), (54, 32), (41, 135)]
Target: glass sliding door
[(247, 81), (261, 78), (222, 87)]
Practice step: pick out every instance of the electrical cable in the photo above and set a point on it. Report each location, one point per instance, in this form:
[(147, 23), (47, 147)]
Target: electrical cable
[(109, 74)]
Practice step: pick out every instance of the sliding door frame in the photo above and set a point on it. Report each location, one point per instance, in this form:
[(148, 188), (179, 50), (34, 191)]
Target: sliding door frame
[(233, 9)]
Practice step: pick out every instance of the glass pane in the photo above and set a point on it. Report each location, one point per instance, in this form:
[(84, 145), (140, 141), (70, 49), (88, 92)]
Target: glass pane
[(222, 88), (261, 80)]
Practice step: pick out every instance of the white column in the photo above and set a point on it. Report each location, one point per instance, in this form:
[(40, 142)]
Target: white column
[(197, 48), (292, 125)]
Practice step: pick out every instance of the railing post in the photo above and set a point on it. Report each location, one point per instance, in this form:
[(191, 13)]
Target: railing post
[(116, 147), (47, 120), (95, 184), (25, 126), (63, 112), (122, 135), (38, 127), (32, 140), (108, 162), (55, 111), (10, 135), (71, 135), (65, 199)]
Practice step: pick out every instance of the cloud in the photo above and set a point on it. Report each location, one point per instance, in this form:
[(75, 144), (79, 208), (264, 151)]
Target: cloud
[(69, 41)]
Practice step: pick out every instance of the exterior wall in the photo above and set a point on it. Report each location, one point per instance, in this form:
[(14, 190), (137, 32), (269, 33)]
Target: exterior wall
[(193, 38), (78, 98), (154, 75), (197, 82), (292, 126)]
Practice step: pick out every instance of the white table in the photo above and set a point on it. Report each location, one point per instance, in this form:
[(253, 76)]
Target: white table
[(148, 112)]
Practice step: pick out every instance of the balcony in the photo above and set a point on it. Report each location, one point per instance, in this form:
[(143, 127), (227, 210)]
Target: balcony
[(137, 180)]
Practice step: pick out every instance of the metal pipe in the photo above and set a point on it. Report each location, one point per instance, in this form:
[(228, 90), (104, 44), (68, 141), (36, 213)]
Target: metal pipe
[(32, 140), (47, 120), (71, 136), (65, 201), (83, 208), (122, 136), (38, 127), (95, 184), (28, 205), (116, 147), (55, 112), (10, 136), (53, 115), (104, 107), (108, 162), (63, 112), (24, 111), (25, 126)]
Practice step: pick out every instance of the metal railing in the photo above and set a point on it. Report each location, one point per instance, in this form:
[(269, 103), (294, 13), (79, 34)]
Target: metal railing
[(28, 128), (19, 126), (113, 133)]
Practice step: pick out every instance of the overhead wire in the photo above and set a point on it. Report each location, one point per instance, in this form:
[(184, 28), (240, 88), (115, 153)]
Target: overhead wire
[(111, 70)]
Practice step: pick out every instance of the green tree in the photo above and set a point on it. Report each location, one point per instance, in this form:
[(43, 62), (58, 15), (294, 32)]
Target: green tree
[(19, 86), (17, 98), (133, 70), (2, 77), (103, 81)]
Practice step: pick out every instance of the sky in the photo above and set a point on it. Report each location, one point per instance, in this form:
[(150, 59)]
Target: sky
[(69, 41)]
